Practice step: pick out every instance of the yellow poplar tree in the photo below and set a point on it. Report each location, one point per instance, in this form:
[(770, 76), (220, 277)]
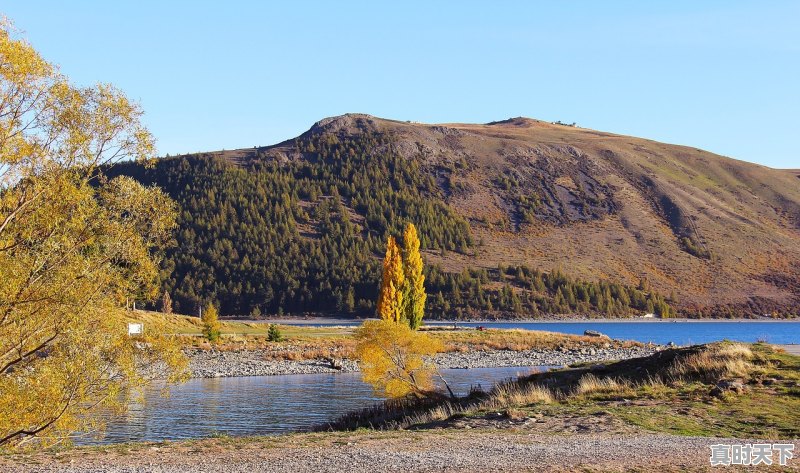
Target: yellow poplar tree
[(391, 353), (73, 247), (390, 296), (414, 291)]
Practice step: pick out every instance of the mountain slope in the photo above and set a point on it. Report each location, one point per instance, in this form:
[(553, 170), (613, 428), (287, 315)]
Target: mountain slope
[(721, 234)]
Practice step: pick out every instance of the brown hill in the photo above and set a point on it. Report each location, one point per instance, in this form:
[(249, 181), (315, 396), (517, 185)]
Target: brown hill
[(714, 230)]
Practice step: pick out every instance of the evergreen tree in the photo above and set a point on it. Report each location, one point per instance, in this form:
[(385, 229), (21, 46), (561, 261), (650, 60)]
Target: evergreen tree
[(650, 308), (274, 333), (350, 300)]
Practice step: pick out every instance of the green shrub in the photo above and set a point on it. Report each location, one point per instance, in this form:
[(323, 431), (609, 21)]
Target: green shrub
[(274, 334)]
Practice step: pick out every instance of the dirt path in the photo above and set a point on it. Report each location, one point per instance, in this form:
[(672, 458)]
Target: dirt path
[(434, 450)]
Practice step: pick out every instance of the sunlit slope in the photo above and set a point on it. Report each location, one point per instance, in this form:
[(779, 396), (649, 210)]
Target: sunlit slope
[(713, 229), (263, 228)]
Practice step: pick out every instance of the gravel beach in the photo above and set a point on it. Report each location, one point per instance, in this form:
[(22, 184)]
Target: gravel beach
[(462, 451), (213, 363)]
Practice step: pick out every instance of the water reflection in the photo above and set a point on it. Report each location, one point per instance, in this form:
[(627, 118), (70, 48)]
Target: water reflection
[(260, 405)]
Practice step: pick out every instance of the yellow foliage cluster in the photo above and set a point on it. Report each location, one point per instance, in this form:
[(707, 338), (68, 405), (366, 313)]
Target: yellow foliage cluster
[(390, 350), (414, 293), (73, 247), (392, 359), (390, 297), (401, 298)]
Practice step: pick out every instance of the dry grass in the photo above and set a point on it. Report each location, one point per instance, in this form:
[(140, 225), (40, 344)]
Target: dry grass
[(308, 343), (727, 360), (590, 384), (298, 351), (507, 396), (517, 340), (439, 413), (514, 394)]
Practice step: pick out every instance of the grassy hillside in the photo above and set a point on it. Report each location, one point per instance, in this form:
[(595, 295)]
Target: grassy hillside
[(299, 227)]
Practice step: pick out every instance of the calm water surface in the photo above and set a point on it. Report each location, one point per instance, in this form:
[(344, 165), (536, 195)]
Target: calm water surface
[(262, 405)]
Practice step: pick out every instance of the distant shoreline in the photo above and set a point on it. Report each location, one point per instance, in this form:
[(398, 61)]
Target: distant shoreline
[(342, 321)]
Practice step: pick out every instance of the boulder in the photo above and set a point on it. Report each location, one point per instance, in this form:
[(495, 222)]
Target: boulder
[(594, 333), (725, 385)]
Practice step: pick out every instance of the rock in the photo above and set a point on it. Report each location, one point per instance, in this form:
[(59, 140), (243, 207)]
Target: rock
[(594, 333), (724, 385)]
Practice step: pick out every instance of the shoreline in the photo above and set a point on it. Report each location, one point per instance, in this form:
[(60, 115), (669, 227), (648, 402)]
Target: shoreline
[(226, 364), (298, 321)]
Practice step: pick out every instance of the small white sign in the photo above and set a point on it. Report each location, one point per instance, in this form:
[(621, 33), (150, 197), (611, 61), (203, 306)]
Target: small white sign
[(135, 328)]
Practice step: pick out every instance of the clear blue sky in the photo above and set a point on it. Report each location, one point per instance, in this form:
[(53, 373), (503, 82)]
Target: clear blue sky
[(718, 75)]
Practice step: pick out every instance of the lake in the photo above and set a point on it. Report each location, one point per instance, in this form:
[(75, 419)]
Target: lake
[(261, 405), (264, 405)]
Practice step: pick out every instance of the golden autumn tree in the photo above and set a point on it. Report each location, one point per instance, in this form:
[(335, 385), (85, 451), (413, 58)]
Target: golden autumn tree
[(392, 359), (390, 350), (390, 296), (414, 284), (73, 247)]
